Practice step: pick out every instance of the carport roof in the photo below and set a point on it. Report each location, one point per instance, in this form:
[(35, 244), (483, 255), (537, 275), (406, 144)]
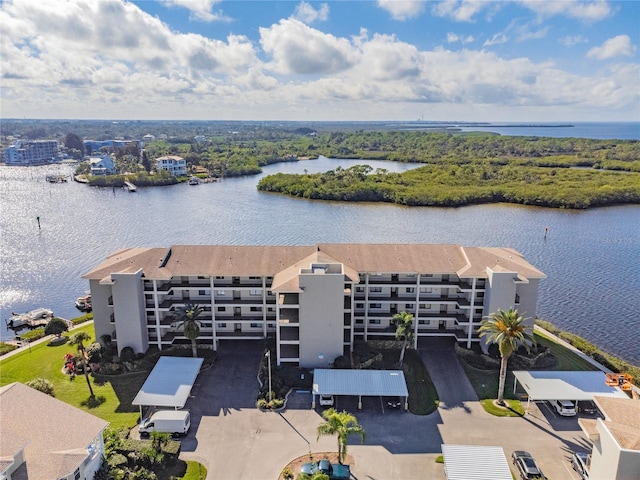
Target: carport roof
[(372, 383), (475, 462), (550, 385), (169, 383)]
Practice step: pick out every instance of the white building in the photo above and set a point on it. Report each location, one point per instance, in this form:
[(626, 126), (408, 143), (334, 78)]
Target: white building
[(36, 152), (616, 439), (44, 438), (104, 165), (315, 300), (175, 165)]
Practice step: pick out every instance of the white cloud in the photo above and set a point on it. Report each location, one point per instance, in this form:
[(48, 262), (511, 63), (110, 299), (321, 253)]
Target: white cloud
[(402, 9), (299, 49), (497, 39), (200, 9), (459, 10), (571, 40), (589, 11), (307, 14), (619, 46), (453, 38)]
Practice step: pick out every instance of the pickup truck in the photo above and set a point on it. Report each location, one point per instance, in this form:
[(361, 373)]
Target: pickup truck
[(336, 471)]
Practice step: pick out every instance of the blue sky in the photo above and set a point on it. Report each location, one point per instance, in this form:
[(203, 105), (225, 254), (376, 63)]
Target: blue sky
[(474, 60)]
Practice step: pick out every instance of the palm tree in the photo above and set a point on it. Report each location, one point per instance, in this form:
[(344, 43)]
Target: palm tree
[(78, 340), (507, 331), (187, 317), (403, 322), (341, 424)]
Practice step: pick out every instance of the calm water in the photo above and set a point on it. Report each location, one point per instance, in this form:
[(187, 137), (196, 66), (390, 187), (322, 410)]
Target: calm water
[(591, 257), (602, 131)]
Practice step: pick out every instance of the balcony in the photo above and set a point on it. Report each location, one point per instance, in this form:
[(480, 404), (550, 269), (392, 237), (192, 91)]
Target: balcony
[(289, 334)]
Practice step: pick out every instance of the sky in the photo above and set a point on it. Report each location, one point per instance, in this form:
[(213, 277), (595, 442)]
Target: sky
[(446, 60)]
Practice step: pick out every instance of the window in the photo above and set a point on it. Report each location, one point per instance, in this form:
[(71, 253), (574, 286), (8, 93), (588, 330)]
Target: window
[(255, 325), (270, 309), (219, 278), (222, 309), (411, 275), (201, 277), (359, 305), (76, 474), (425, 289), (360, 289), (359, 320), (220, 292), (256, 309), (375, 289), (222, 325), (517, 299), (254, 292), (426, 306), (375, 305), (374, 321), (202, 292), (411, 290), (408, 305), (271, 325), (254, 278)]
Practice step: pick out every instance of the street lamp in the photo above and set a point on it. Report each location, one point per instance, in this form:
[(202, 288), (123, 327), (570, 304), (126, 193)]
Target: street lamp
[(268, 355)]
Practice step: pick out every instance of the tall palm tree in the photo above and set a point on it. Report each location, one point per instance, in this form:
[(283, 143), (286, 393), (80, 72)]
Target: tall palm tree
[(507, 331), (341, 424), (187, 316), (403, 322), (78, 340)]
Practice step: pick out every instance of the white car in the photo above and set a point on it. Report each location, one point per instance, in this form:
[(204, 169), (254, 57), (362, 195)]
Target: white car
[(565, 408), (326, 400)]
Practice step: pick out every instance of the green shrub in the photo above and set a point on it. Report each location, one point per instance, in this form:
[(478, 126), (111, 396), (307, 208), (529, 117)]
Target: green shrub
[(6, 348), (33, 335), (82, 319), (287, 473), (42, 385), (117, 459), (57, 341)]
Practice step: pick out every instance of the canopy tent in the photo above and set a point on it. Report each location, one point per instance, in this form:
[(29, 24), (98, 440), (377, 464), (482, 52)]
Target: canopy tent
[(474, 462), (169, 383), (368, 383), (572, 386)]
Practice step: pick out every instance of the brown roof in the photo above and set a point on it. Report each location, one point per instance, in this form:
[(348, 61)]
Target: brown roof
[(622, 419), (56, 433), (269, 260)]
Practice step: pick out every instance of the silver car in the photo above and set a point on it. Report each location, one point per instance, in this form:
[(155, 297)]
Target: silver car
[(580, 463)]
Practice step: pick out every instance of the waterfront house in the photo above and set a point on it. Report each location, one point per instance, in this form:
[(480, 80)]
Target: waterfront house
[(104, 165), (173, 164), (315, 300), (42, 437)]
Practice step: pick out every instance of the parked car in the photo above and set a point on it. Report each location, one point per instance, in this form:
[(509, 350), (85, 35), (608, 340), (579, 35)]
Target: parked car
[(580, 463), (335, 471), (587, 407), (326, 400), (566, 408), (527, 466)]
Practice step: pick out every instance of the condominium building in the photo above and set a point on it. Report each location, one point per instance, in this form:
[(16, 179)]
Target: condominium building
[(175, 165), (36, 152), (315, 300)]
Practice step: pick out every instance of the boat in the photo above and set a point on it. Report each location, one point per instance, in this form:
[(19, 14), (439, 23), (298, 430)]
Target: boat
[(84, 303), (52, 178), (34, 318), (194, 181)]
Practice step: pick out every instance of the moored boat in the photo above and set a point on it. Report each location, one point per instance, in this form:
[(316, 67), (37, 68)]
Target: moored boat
[(34, 318), (84, 303), (194, 181)]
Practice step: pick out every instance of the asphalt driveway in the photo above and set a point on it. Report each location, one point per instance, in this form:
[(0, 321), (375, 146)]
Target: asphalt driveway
[(236, 441)]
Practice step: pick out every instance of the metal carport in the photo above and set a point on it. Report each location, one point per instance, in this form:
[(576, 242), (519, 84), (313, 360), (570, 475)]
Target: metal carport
[(570, 385), (367, 383), (475, 462), (169, 383)]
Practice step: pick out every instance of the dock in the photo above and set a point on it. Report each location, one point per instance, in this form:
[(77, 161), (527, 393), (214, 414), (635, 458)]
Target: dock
[(130, 186), (53, 178), (33, 319)]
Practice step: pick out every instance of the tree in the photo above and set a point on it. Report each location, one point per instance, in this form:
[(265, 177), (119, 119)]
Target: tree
[(341, 424), (42, 385), (507, 331), (73, 141), (146, 163), (78, 340), (187, 317), (56, 326), (403, 322)]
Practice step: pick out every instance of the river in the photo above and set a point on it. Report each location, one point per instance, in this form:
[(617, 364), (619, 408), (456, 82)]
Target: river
[(591, 257)]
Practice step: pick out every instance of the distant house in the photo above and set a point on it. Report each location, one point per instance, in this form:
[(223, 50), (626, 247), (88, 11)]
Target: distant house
[(173, 164), (148, 138), (91, 147), (102, 165), (199, 138), (42, 438), (37, 152)]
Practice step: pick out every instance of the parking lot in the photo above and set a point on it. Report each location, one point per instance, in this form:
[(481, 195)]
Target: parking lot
[(236, 441)]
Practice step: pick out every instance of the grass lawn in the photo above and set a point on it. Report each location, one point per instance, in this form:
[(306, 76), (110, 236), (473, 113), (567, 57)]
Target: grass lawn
[(113, 401)]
